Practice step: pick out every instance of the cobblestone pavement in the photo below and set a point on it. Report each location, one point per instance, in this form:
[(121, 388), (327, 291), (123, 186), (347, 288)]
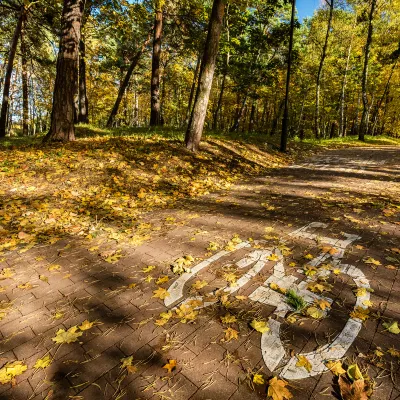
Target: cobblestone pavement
[(351, 199)]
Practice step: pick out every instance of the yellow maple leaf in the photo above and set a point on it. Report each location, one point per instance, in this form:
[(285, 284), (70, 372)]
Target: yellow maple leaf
[(69, 336), (360, 313), (314, 312), (360, 292), (392, 327), (199, 285), (304, 362), (162, 279), (86, 325), (186, 313), (161, 293), (370, 260), (335, 367), (308, 256), (273, 257), (54, 267), (231, 334), (259, 326), (6, 273), (10, 370), (394, 352), (25, 286), (148, 269), (213, 246), (322, 304), (277, 389), (43, 362), (228, 319), (258, 379), (170, 366)]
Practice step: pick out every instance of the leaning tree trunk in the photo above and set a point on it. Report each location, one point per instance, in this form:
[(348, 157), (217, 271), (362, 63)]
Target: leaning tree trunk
[(125, 83), (196, 124), (364, 118), (319, 75), (155, 114), (66, 84), (25, 100), (9, 69), (192, 89), (83, 116)]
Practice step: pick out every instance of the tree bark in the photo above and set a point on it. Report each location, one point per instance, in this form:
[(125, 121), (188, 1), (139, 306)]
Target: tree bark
[(25, 94), (364, 118), (155, 114), (125, 84), (239, 115), (343, 91), (196, 124), (285, 121), (319, 75), (65, 88), (219, 104), (83, 116), (9, 69), (192, 89)]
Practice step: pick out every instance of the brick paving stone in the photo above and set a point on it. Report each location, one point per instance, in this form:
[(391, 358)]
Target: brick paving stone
[(346, 189)]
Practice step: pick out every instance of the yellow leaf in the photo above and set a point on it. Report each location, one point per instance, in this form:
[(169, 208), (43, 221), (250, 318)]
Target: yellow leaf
[(322, 304), (392, 327), (308, 256), (230, 334), (186, 313), (161, 293), (69, 336), (370, 260), (213, 246), (162, 279), (367, 303), (54, 267), (170, 366), (273, 257), (314, 312), (148, 269), (337, 271), (354, 373), (228, 319), (277, 389), (12, 369), (148, 279), (86, 325), (304, 362), (6, 273), (360, 292), (360, 313), (259, 326), (258, 379), (309, 270), (43, 362), (335, 367), (131, 285), (199, 285), (26, 285)]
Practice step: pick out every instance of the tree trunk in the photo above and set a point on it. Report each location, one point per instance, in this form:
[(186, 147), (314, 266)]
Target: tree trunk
[(25, 100), (155, 114), (239, 115), (252, 115), (9, 69), (125, 84), (65, 88), (319, 75), (196, 124), (219, 104), (364, 118), (380, 101), (276, 118), (192, 89), (343, 91), (285, 121), (83, 116)]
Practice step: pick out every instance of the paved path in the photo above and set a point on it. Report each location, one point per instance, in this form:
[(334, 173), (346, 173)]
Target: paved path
[(350, 198)]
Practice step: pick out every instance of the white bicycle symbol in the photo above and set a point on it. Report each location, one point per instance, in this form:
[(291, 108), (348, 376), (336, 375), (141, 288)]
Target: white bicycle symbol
[(271, 345)]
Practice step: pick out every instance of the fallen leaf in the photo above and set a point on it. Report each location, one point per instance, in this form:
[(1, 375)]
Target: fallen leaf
[(43, 362), (230, 334), (148, 269), (277, 389), (335, 367), (354, 373), (69, 336), (86, 325), (392, 327), (357, 390), (314, 312), (228, 319), (10, 370), (370, 260), (160, 293), (304, 362), (170, 366), (162, 279), (259, 326), (360, 313), (258, 379)]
